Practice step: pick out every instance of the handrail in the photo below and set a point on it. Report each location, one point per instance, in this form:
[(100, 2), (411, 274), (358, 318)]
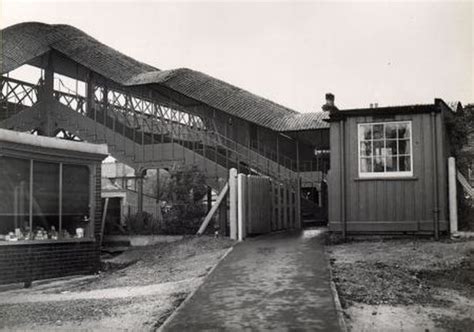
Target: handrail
[(29, 93), (266, 161), (10, 79)]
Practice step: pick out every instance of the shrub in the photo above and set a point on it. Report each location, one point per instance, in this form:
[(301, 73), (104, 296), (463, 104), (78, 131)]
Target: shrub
[(186, 189), (142, 224), (459, 126)]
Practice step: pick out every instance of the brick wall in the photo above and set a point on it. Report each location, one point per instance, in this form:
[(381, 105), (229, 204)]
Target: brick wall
[(98, 201), (29, 261)]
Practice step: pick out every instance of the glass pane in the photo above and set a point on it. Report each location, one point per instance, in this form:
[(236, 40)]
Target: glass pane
[(15, 197), (379, 147), (404, 162), (366, 165), (379, 164), (403, 130), (45, 199), (391, 147), (391, 130), (75, 200), (366, 148), (378, 131), (392, 165), (365, 132), (404, 146)]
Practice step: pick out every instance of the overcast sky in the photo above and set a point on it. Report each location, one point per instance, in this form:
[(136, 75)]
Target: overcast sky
[(290, 52)]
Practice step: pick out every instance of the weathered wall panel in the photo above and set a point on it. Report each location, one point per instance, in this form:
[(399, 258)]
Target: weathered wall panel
[(388, 204)]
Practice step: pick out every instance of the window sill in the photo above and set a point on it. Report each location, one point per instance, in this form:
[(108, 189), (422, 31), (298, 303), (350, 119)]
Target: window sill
[(387, 178), (28, 242)]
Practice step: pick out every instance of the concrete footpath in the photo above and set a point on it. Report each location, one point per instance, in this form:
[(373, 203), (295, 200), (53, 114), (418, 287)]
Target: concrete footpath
[(275, 282)]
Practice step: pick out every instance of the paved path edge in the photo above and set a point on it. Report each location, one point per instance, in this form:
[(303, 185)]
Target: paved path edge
[(191, 294), (335, 295)]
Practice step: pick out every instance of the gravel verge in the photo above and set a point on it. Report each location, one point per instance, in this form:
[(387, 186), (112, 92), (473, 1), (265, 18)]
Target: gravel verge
[(186, 261), (388, 280)]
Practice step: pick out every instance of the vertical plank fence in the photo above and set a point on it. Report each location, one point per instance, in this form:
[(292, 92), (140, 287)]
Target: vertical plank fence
[(262, 205)]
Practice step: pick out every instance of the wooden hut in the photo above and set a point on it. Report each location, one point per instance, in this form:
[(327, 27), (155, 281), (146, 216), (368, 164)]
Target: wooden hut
[(388, 169)]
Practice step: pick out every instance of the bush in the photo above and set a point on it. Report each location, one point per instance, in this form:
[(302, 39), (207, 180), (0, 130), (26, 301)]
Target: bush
[(142, 224), (459, 127), (185, 211), (182, 207)]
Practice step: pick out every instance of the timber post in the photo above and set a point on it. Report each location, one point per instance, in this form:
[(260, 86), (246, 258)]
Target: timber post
[(241, 206), (139, 174), (47, 97), (453, 206), (233, 203), (298, 203)]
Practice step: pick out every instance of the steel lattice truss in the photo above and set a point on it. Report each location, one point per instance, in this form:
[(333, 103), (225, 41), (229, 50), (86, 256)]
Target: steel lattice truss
[(147, 122), (18, 92)]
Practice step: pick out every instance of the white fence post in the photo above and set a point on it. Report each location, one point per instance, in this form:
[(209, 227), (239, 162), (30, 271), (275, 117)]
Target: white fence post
[(241, 206), (233, 203), (453, 204)]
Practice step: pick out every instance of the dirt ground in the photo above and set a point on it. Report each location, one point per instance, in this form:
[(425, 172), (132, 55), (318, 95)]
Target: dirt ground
[(405, 285), (138, 290)]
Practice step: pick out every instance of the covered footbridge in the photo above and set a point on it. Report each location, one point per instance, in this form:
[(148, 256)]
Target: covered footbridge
[(79, 88)]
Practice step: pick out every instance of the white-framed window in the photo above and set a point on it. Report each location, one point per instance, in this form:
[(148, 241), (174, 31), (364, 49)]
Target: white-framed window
[(385, 149)]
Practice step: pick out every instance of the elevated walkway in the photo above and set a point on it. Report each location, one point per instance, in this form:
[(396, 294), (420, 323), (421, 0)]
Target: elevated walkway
[(142, 132), (138, 139)]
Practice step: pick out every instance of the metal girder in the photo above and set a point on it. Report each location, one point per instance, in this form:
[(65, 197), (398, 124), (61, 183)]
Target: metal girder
[(146, 121)]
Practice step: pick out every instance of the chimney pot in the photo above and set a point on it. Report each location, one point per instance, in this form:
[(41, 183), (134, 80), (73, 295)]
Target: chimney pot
[(329, 99), (329, 106)]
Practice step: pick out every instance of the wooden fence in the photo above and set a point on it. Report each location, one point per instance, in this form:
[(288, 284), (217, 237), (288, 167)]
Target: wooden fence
[(257, 205), (263, 205)]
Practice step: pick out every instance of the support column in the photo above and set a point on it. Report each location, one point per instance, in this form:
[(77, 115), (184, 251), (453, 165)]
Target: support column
[(158, 191), (139, 177), (90, 95), (46, 97), (298, 203)]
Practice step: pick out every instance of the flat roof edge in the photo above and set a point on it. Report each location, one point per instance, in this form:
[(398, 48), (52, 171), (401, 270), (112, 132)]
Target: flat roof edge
[(52, 142)]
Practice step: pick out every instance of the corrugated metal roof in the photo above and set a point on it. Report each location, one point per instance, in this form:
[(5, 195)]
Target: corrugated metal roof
[(23, 42)]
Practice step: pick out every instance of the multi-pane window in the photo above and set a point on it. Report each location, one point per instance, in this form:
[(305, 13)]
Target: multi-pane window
[(385, 149), (43, 200)]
